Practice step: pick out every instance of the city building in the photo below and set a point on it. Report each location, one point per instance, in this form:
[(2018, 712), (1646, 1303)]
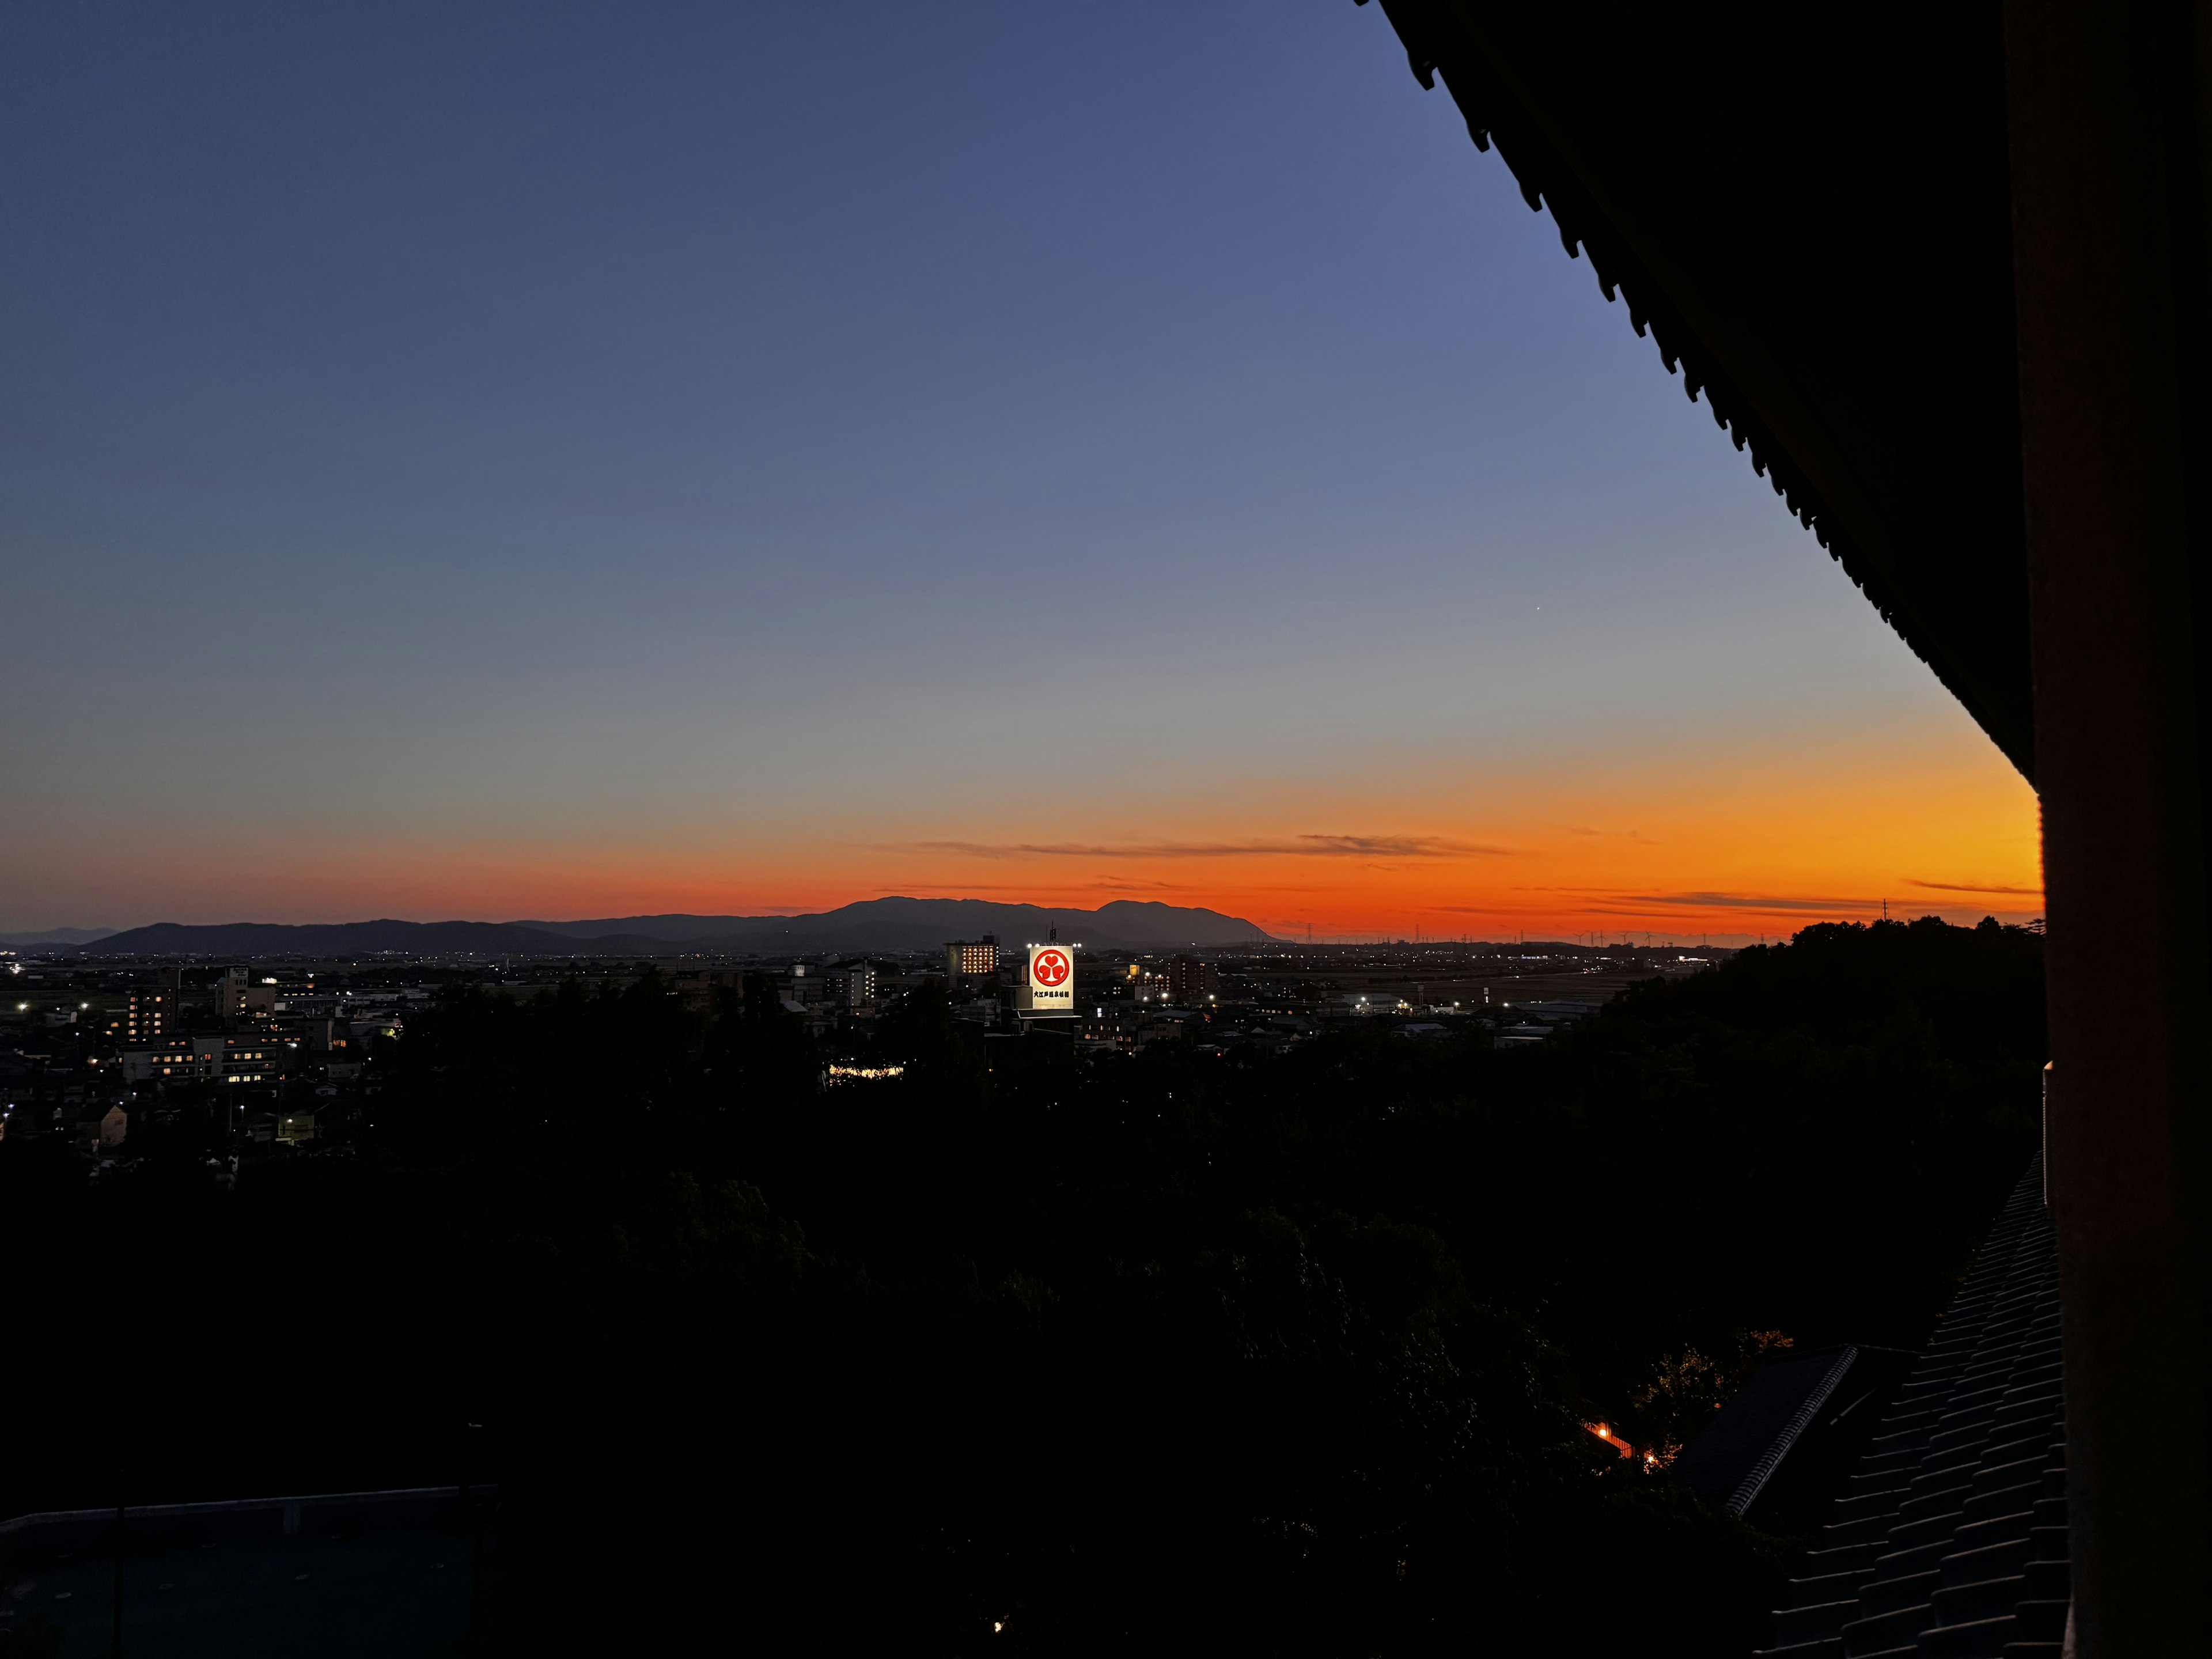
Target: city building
[(697, 987), (858, 981), (967, 960), (1556, 1012), (231, 985), (326, 1035), (156, 1062), (151, 1014), (1108, 1026), (1193, 983), (1519, 1036), (211, 1057)]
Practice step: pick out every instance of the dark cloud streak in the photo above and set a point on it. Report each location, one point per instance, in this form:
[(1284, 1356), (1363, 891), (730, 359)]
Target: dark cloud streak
[(1394, 846)]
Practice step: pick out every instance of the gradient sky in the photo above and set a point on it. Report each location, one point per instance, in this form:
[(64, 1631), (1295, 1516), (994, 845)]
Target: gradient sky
[(573, 460)]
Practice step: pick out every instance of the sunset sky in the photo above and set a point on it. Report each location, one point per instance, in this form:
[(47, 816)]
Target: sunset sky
[(521, 461)]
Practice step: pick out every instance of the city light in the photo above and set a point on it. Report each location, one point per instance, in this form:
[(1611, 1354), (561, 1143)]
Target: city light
[(1604, 1432), (863, 1074)]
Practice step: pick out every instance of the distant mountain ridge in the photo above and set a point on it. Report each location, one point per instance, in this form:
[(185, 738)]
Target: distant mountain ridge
[(918, 924), (42, 937), (346, 938), (885, 924)]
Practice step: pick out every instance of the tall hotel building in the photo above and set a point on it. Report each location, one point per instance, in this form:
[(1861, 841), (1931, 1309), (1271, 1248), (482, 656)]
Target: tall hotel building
[(152, 1015), (965, 960)]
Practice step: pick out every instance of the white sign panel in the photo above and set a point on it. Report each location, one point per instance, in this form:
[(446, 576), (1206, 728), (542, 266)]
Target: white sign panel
[(1052, 979)]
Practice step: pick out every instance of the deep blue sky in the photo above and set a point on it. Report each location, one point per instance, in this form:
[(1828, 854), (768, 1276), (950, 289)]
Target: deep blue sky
[(510, 459)]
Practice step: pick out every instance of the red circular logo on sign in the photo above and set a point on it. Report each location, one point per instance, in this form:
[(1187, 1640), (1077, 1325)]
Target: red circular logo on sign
[(1051, 968)]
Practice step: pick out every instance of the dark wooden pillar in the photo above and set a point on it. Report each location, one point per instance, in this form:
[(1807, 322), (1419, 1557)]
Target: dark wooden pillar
[(2109, 220)]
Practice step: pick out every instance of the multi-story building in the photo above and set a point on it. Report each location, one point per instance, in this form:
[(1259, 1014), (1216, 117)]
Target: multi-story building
[(1193, 983), (697, 987), (152, 1013), (212, 1057), (858, 981), (157, 1062), (1109, 1025), (242, 997), (964, 960)]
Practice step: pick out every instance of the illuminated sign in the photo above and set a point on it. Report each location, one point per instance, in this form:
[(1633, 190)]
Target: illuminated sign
[(1052, 980)]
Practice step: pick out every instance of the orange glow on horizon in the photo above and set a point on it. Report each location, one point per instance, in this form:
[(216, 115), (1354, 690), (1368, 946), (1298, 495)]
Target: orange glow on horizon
[(1728, 851)]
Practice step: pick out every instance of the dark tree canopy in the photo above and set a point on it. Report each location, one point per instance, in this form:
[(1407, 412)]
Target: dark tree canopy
[(1289, 1354)]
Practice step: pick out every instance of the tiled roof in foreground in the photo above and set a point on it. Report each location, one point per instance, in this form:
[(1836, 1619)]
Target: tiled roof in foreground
[(1731, 1463), (338, 1575), (1951, 1542)]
